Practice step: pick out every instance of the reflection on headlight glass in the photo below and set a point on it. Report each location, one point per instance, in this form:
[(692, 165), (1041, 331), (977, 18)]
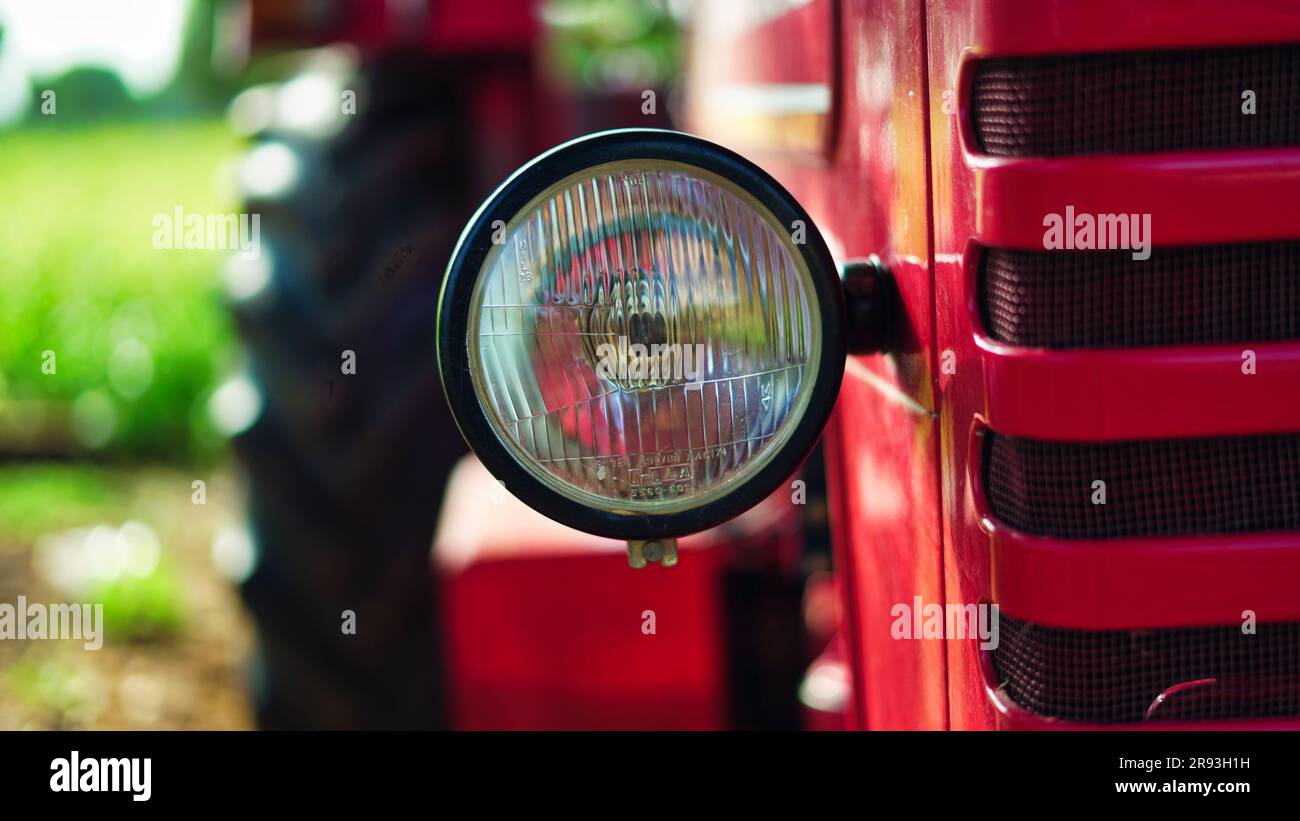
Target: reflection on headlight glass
[(643, 336)]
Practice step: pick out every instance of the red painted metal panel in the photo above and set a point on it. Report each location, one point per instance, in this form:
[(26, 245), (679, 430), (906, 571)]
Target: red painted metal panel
[(555, 642), (543, 624), (1061, 26), (908, 520), (1140, 394), (1112, 584), (1137, 583), (868, 193), (1193, 197), (1091, 395)]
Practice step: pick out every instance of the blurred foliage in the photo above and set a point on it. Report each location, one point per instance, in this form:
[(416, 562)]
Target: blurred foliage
[(146, 605), (612, 45), (47, 684), (138, 334), (86, 494), (142, 608)]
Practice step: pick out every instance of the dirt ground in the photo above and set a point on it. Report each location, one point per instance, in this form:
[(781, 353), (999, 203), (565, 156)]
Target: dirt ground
[(181, 666)]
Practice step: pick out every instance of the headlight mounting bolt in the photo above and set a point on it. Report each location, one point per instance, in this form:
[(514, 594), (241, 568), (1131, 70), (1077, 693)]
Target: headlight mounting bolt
[(641, 552)]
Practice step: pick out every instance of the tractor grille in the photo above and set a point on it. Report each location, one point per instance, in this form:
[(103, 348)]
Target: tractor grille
[(1114, 676), (1208, 294), (1165, 487), (1137, 102)]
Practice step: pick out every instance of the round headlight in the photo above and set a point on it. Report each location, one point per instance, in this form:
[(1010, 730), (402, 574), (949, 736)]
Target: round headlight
[(641, 334)]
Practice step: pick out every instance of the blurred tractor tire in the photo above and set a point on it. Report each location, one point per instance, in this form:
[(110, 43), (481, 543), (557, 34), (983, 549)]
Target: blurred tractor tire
[(346, 470)]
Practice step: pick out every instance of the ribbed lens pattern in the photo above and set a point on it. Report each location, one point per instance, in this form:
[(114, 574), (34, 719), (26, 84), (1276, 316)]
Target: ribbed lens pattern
[(643, 334)]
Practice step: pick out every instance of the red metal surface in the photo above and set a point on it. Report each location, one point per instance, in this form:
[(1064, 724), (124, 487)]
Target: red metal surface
[(1136, 583), (1097, 395), (556, 643), (544, 624), (869, 194), (1192, 197), (1139, 394), (897, 177), (1063, 26)]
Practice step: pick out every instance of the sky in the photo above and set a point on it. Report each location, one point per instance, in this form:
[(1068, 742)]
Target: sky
[(139, 40)]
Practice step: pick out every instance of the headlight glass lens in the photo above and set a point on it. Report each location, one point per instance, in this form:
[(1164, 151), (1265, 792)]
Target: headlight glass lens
[(644, 335)]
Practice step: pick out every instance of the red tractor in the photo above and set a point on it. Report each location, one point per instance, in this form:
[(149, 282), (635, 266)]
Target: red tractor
[(1032, 267), (524, 623), (1098, 436)]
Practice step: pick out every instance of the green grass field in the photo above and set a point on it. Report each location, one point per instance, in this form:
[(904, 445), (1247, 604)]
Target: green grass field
[(139, 335)]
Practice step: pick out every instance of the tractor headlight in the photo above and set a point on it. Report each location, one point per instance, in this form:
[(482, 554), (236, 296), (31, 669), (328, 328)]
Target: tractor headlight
[(641, 334)]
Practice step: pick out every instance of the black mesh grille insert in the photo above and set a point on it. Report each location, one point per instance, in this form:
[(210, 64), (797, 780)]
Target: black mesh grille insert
[(1113, 676), (1208, 294), (1163, 487), (1137, 102)]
